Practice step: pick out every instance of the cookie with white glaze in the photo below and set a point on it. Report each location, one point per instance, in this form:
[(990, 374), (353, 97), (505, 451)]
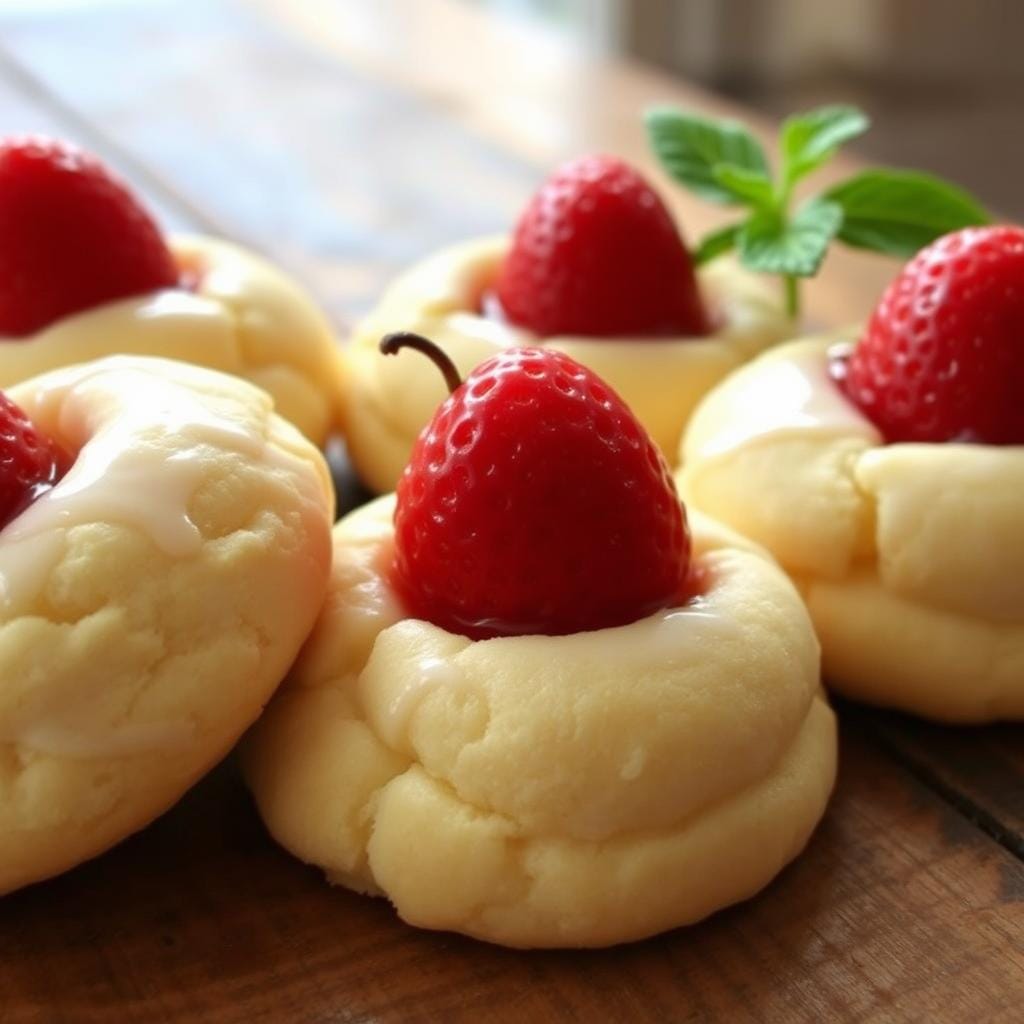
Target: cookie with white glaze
[(151, 601)]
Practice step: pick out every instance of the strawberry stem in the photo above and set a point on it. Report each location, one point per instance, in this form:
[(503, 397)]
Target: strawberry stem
[(392, 344)]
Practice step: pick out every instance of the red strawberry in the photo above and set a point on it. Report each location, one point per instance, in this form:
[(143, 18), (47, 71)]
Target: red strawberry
[(597, 253), (30, 463), (942, 358), (72, 236), (534, 502)]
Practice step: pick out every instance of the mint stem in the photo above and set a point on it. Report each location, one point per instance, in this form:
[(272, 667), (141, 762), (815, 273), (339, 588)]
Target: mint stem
[(792, 292)]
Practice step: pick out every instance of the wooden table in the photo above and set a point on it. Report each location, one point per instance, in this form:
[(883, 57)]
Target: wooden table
[(348, 139)]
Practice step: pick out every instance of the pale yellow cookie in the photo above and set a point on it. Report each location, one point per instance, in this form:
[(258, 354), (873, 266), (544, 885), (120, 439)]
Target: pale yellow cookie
[(244, 317), (388, 401), (910, 556), (576, 790), (150, 603)]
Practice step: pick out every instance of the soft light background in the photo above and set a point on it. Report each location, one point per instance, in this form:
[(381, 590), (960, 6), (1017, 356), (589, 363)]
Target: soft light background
[(347, 138), (942, 79)]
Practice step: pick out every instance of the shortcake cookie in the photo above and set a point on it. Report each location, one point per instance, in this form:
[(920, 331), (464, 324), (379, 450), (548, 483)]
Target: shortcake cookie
[(481, 730), (888, 479), (151, 597)]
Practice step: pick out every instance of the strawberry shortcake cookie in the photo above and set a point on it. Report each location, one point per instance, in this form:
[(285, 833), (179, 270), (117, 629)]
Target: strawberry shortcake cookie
[(888, 478), (164, 552), (535, 709)]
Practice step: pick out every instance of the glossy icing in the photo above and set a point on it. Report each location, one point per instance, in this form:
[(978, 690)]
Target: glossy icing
[(790, 397), (141, 446), (243, 317)]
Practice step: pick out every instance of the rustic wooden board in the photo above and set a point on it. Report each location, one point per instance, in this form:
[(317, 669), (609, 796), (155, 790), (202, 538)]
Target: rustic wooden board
[(346, 159), (900, 909), (979, 770)]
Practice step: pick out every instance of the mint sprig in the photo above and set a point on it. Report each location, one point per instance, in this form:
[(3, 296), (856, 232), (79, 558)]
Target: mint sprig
[(888, 211), (690, 147), (899, 212)]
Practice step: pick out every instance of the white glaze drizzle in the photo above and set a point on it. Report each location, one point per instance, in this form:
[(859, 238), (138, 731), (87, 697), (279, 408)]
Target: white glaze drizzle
[(431, 674), (146, 444), (793, 395), (141, 464)]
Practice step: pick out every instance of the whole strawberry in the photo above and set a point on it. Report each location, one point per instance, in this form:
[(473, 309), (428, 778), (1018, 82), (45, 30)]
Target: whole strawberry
[(942, 358), (30, 463), (534, 502), (597, 253), (72, 236)]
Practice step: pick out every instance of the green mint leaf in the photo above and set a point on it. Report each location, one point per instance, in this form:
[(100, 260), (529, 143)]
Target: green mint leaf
[(810, 140), (715, 244), (751, 187), (689, 147), (771, 245), (900, 212)]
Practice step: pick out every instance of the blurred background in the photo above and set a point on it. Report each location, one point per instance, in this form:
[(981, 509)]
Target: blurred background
[(348, 138), (942, 79)]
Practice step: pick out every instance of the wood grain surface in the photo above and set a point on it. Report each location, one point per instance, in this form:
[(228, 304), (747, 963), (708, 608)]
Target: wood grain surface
[(900, 909), (346, 140)]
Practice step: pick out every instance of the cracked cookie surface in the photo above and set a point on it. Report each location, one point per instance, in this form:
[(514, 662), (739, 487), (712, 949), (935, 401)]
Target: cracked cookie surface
[(150, 603), (910, 556), (576, 790)]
